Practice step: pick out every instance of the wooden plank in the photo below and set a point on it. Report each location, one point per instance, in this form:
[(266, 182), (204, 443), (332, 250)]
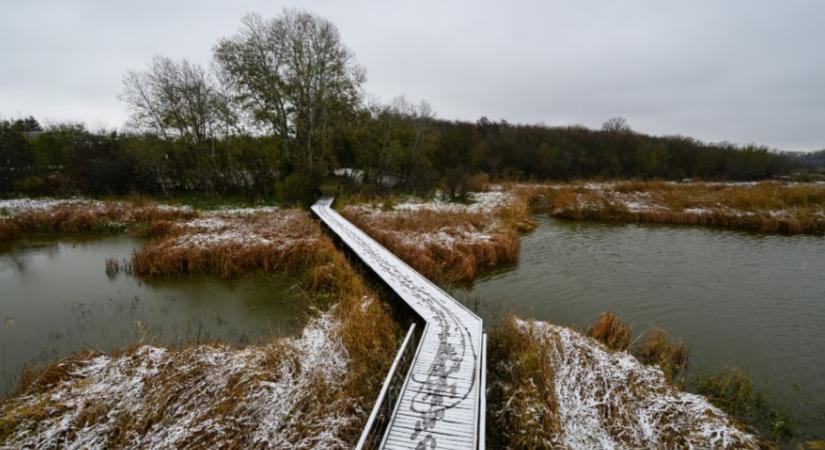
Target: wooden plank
[(438, 404)]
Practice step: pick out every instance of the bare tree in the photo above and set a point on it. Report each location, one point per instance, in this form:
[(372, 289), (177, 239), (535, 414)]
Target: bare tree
[(173, 100), (616, 124), (296, 79)]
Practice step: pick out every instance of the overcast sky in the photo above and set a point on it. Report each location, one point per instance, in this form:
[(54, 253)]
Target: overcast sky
[(741, 71)]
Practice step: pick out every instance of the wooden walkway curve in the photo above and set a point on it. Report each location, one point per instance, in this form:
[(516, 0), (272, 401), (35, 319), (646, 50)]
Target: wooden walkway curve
[(441, 403)]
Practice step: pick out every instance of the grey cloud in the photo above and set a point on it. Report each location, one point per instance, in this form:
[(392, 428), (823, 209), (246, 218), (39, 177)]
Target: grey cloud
[(739, 70)]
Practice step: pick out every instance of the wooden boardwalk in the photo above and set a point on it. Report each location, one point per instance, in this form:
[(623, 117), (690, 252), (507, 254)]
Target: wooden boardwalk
[(440, 405)]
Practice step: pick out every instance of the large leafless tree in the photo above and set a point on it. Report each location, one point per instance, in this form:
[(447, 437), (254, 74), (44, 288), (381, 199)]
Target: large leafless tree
[(295, 78), (174, 100)]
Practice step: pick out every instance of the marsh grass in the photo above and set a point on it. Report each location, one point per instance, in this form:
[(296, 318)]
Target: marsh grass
[(657, 348), (551, 387), (610, 331), (769, 207), (732, 390), (450, 245), (89, 217), (522, 403), (215, 395)]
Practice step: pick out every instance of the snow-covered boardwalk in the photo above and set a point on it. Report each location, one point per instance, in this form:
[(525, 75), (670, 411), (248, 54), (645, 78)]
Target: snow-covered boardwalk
[(441, 404)]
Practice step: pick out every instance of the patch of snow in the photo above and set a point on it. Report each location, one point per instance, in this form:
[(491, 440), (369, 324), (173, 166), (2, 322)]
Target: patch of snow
[(610, 400), (271, 412), (12, 207), (243, 211), (480, 202)]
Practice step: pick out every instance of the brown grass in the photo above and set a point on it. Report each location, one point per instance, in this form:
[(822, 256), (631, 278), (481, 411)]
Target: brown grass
[(41, 379), (449, 246), (86, 217), (610, 331), (658, 349), (522, 404), (732, 391), (768, 207), (541, 373)]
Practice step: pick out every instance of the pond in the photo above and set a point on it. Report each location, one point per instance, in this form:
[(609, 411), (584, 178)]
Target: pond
[(56, 299), (736, 299)]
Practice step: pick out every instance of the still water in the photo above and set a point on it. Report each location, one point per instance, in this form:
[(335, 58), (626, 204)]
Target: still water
[(736, 299), (56, 299)]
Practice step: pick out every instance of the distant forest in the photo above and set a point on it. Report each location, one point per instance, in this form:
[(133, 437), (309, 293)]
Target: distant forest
[(282, 109)]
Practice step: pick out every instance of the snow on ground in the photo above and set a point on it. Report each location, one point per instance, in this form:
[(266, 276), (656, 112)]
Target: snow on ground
[(434, 233), (12, 207), (480, 202), (246, 226), (610, 400), (288, 394), (597, 196)]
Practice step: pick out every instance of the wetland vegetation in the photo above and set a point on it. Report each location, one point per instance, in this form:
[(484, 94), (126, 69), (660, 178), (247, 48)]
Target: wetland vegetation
[(132, 320)]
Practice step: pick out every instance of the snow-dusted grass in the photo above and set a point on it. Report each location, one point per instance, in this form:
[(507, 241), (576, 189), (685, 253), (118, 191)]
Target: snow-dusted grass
[(229, 243), (553, 387), (766, 206), (448, 241), (287, 394), (21, 217), (310, 391)]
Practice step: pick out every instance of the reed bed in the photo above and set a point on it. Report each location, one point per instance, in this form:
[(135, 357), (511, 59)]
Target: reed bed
[(769, 207), (228, 244), (610, 331), (450, 242), (552, 387), (25, 217)]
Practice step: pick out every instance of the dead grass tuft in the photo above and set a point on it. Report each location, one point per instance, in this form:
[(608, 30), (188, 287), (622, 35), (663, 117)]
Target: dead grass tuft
[(522, 402), (610, 331), (658, 349), (40, 379)]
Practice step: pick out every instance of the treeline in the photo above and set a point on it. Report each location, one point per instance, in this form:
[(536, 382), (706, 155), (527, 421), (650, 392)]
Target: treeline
[(68, 159), (281, 108), (813, 161), (425, 152), (393, 147)]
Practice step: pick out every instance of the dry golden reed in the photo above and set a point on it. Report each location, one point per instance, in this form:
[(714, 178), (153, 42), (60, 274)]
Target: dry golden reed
[(658, 349), (84, 217), (610, 331), (768, 207)]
